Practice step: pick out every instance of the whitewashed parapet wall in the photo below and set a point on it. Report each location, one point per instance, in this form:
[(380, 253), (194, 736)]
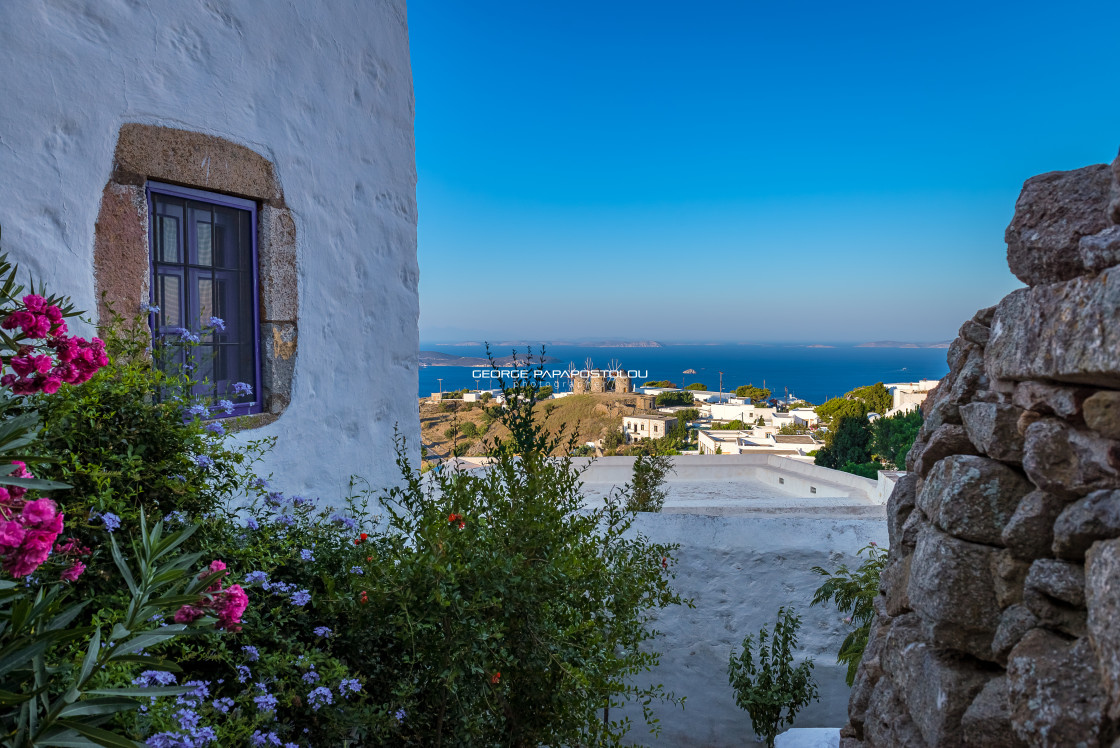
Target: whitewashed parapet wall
[(999, 618), (323, 92)]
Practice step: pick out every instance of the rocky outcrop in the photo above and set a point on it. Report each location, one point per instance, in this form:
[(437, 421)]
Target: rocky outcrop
[(999, 611)]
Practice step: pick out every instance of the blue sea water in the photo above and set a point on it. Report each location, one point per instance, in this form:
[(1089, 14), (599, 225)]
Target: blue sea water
[(813, 374)]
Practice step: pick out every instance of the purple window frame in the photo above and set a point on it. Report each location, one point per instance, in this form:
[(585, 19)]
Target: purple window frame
[(226, 201)]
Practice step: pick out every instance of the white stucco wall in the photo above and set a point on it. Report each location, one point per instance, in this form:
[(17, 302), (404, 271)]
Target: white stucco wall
[(324, 91), (738, 570)]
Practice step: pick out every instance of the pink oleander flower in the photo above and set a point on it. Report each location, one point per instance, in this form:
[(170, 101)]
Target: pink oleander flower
[(230, 605), (11, 535), (39, 512), (34, 302), (188, 614), (75, 571)]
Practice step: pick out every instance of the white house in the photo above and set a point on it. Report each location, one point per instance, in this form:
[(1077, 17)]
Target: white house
[(906, 396), (253, 161), (806, 417), (636, 428)]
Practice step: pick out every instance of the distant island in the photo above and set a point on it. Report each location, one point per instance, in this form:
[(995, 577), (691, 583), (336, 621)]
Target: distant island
[(896, 344), (568, 343), (434, 358)]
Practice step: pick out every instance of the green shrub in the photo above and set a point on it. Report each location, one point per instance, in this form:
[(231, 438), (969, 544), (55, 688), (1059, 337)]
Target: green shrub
[(697, 386), (766, 683), (647, 487), (854, 593), (469, 429), (666, 399)]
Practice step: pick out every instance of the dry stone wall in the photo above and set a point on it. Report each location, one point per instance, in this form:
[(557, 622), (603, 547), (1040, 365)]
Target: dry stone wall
[(999, 611)]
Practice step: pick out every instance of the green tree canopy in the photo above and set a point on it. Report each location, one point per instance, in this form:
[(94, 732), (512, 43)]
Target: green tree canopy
[(754, 393), (850, 442), (674, 398), (891, 438), (697, 386)]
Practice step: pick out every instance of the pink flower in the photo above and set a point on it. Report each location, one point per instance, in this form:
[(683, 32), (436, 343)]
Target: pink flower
[(230, 606), (75, 571), (54, 313), (11, 535), (39, 512), (188, 614), (34, 302), (51, 385)]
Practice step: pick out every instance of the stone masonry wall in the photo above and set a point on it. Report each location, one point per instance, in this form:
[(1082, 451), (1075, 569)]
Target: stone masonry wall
[(999, 611)]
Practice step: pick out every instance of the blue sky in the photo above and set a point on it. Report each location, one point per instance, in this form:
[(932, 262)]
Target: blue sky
[(739, 171)]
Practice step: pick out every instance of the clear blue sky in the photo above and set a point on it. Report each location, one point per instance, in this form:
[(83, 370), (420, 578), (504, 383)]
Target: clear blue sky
[(813, 171)]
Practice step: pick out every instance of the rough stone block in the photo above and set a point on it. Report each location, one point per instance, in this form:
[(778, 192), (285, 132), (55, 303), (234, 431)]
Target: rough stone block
[(1051, 399), (1052, 213), (899, 506), (1008, 575), (1082, 523), (971, 378), (1054, 691), (938, 687), (1102, 413), (987, 721), (952, 589), (120, 251), (1056, 615), (893, 581), (1014, 623), (947, 440), (278, 348), (279, 286), (1101, 250), (1102, 590), (888, 724), (994, 429), (1030, 531), (1069, 462), (1068, 332), (972, 497), (974, 332), (1060, 580), (984, 316)]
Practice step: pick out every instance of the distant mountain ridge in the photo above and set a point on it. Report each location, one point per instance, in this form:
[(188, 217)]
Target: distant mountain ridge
[(434, 358)]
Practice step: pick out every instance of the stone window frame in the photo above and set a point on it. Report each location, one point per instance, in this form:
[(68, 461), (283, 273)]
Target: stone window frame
[(122, 257)]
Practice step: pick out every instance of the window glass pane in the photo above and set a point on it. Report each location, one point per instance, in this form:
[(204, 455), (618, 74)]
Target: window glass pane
[(205, 251), (170, 300), (168, 238), (227, 234), (205, 287)]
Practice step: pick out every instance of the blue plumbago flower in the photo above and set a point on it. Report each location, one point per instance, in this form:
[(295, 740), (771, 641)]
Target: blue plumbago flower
[(252, 524), (301, 598), (322, 631), (244, 673), (177, 332), (321, 696), (179, 478), (223, 704), (111, 521), (277, 588), (198, 410), (274, 498), (257, 482), (256, 576), (196, 695), (251, 653), (357, 570), (400, 714), (306, 555), (154, 677), (301, 500), (291, 745), (241, 389), (216, 428), (149, 308), (286, 519), (203, 461), (226, 406), (266, 702), (178, 517), (156, 618), (346, 522), (264, 738), (187, 718), (218, 324), (310, 677), (349, 684)]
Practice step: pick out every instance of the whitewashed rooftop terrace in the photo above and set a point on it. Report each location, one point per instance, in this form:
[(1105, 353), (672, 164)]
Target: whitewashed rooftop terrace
[(727, 485)]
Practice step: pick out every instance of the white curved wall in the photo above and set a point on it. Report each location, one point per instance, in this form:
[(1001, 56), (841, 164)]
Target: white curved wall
[(324, 91)]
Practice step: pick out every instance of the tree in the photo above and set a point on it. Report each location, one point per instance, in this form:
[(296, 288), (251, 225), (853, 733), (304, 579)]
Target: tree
[(688, 414), (850, 442), (468, 429), (754, 393), (659, 383), (891, 438), (613, 440), (765, 681), (647, 488), (674, 398), (544, 392), (831, 411), (876, 396), (793, 428), (697, 386), (854, 593)]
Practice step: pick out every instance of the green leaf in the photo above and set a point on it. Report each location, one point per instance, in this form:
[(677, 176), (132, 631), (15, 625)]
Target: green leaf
[(91, 656), (101, 706), (141, 693), (123, 567), (99, 736)]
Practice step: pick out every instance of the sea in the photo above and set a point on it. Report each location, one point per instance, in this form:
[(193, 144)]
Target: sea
[(808, 372)]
